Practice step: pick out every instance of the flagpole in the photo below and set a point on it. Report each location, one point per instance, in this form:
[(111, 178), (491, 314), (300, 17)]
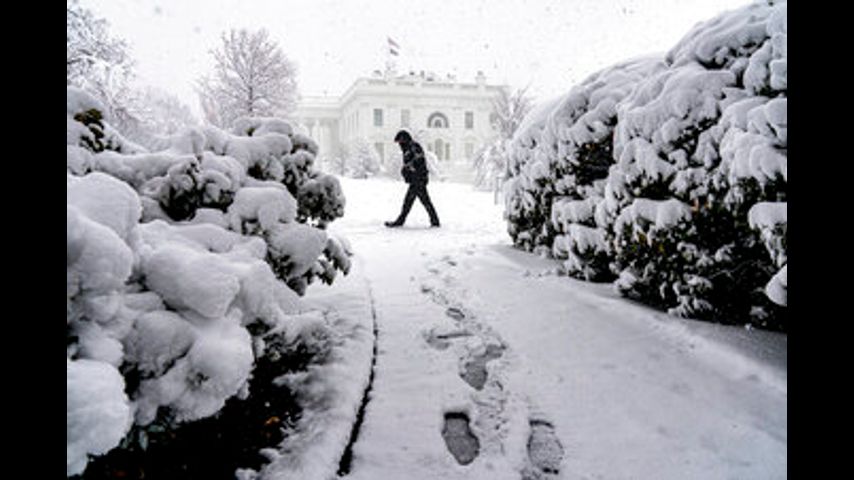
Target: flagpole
[(391, 52)]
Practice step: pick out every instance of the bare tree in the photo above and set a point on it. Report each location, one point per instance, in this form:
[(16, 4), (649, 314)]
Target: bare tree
[(252, 77), (165, 113), (98, 62), (508, 110), (89, 45), (153, 113)]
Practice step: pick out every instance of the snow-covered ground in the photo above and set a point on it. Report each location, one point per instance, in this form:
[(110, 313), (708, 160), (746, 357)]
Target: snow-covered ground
[(531, 374)]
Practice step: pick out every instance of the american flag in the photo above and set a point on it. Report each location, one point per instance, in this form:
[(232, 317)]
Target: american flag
[(393, 47)]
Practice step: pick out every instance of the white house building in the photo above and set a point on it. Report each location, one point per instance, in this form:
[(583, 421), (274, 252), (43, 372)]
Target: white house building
[(449, 118)]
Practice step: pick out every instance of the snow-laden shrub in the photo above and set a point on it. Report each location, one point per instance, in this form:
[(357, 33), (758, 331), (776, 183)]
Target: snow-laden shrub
[(181, 267), (710, 132), (98, 413), (706, 127), (529, 189), (580, 241), (169, 306), (260, 209), (358, 159), (203, 169), (777, 289), (560, 155), (257, 126), (771, 219), (320, 199), (187, 187), (579, 135), (86, 126)]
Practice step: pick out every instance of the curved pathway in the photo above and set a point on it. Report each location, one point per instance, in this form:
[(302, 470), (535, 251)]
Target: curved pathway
[(490, 366)]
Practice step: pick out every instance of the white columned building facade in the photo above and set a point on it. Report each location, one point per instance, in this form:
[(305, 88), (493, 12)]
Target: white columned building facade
[(449, 118)]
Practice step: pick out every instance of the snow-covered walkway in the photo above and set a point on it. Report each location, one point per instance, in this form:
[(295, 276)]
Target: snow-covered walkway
[(490, 366)]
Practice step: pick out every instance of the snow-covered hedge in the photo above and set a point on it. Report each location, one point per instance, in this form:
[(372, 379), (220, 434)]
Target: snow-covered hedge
[(529, 187), (182, 265), (669, 174), (357, 159), (560, 156)]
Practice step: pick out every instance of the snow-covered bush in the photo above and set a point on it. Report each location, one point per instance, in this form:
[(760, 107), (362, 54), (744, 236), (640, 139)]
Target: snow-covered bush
[(320, 199), (182, 265), (669, 174), (98, 412), (709, 132), (579, 135), (771, 219), (561, 155), (168, 306), (358, 159), (187, 187), (529, 190), (85, 126)]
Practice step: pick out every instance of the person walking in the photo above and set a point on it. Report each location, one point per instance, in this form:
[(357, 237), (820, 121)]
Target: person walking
[(415, 173)]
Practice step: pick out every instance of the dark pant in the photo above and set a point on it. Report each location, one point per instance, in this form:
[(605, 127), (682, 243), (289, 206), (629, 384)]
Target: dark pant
[(417, 190)]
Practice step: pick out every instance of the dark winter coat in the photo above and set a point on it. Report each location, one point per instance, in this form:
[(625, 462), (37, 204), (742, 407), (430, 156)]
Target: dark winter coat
[(414, 168)]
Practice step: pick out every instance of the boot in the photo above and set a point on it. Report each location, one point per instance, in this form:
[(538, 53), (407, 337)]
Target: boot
[(393, 224)]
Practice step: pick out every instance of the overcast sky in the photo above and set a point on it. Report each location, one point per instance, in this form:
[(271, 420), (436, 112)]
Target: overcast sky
[(549, 44)]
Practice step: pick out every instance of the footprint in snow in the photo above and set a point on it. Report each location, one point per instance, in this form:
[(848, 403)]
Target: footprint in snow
[(455, 313), (474, 370), (441, 341), (545, 452), (459, 439)]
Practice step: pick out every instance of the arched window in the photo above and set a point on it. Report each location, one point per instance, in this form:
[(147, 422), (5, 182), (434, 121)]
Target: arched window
[(437, 120), (439, 149)]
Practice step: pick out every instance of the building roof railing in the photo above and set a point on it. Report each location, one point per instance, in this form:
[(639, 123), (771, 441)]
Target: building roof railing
[(397, 85)]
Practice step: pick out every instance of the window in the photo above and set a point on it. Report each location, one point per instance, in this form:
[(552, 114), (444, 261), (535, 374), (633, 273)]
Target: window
[(404, 118), (469, 150), (469, 120), (378, 117), (439, 149), (437, 120), (380, 151), (494, 121)]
